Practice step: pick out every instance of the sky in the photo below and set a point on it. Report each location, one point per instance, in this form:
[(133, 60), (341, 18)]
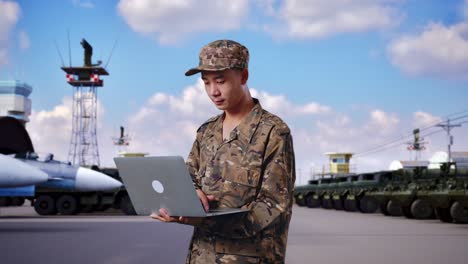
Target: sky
[(346, 75)]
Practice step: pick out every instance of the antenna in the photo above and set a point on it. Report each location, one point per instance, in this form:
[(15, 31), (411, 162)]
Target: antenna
[(112, 51), (418, 143), (69, 49), (60, 54)]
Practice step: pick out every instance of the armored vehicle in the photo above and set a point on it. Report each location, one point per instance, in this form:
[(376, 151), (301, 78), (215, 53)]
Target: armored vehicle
[(342, 188), (304, 195)]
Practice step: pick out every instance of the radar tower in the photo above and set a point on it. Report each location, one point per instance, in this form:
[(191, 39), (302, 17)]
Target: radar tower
[(85, 80)]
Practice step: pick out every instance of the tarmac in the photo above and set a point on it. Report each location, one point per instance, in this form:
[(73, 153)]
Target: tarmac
[(315, 236)]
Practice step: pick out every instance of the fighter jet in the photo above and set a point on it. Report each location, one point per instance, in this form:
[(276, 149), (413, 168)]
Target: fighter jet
[(14, 173), (66, 176)]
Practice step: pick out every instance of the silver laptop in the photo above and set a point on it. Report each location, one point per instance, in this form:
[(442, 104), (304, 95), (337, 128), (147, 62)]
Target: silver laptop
[(163, 182)]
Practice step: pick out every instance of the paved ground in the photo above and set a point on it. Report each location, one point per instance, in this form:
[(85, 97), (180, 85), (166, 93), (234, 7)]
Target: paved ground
[(316, 236)]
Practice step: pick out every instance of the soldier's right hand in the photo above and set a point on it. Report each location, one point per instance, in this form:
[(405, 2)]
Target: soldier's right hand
[(205, 199)]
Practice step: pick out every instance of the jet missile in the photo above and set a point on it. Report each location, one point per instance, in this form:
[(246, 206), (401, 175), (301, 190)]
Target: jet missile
[(14, 173), (66, 176)]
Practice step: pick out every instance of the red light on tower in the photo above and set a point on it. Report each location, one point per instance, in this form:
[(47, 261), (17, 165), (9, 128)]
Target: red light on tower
[(94, 78)]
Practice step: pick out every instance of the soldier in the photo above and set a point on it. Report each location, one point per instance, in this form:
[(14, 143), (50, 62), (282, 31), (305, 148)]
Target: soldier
[(242, 158)]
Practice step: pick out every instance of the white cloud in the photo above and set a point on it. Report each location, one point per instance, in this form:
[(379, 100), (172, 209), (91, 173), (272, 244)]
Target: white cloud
[(50, 130), (321, 18), (423, 119), (9, 15), (383, 122), (280, 105), (170, 21), (437, 51), (24, 41)]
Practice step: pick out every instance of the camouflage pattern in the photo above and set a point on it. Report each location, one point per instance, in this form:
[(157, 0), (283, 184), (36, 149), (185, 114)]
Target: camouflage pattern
[(221, 55), (252, 169)]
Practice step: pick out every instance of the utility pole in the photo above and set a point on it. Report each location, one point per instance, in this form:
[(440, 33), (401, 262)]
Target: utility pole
[(448, 127)]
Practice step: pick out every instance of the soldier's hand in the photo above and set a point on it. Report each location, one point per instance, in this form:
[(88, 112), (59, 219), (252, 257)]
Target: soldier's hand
[(205, 199), (163, 216)]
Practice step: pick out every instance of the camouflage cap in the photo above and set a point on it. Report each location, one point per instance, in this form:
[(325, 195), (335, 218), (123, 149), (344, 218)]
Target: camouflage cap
[(221, 55)]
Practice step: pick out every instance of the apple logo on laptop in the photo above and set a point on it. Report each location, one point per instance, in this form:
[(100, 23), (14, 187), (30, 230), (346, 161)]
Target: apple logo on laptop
[(157, 186)]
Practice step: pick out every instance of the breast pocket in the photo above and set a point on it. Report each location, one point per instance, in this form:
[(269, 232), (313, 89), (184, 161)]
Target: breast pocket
[(240, 186)]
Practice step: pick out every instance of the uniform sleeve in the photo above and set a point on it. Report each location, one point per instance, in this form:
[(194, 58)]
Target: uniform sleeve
[(274, 197), (193, 161)]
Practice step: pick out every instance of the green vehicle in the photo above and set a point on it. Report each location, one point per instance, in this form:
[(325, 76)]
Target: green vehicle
[(448, 195), (344, 185), (459, 197), (361, 197), (349, 200), (324, 192), (304, 193), (415, 193), (393, 181)]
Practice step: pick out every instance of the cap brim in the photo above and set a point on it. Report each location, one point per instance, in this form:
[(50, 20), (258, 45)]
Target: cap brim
[(200, 69), (193, 71)]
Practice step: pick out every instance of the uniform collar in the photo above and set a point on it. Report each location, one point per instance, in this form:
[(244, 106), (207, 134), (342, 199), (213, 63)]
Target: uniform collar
[(249, 124), (244, 130)]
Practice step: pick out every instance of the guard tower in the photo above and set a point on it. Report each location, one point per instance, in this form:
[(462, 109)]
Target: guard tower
[(85, 80), (339, 162)]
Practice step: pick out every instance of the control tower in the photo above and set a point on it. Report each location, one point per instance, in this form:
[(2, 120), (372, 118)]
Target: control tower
[(85, 80), (14, 100)]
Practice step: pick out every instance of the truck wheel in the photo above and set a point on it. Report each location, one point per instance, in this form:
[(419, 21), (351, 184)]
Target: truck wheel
[(17, 201), (443, 214), (394, 209), (422, 209), (350, 205), (383, 209), (311, 202), (126, 206), (300, 201), (45, 205), (368, 205), (338, 204), (459, 213), (327, 204), (67, 205)]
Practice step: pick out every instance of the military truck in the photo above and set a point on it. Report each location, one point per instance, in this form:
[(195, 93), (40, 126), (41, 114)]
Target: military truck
[(324, 192), (343, 187), (350, 202), (363, 187), (448, 194), (304, 195)]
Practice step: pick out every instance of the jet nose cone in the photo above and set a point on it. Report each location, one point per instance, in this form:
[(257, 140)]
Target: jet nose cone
[(90, 180), (15, 173)]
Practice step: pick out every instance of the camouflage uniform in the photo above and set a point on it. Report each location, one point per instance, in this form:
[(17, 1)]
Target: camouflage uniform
[(252, 169)]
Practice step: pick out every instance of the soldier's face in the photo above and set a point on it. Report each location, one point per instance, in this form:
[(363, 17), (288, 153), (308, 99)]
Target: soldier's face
[(225, 88)]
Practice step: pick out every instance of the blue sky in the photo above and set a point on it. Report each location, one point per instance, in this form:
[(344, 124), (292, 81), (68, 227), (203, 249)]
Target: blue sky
[(372, 65)]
